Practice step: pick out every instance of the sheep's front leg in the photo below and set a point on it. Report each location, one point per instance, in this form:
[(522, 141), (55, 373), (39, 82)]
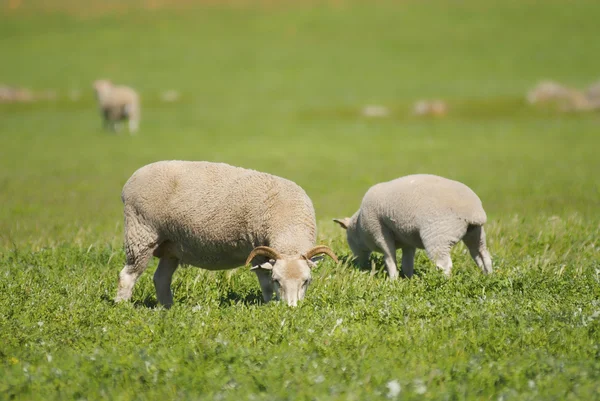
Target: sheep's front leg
[(388, 248), (162, 280), (133, 126), (408, 261), (266, 283), (362, 259)]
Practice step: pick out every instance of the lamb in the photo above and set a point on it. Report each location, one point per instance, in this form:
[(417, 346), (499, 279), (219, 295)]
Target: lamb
[(118, 103), (217, 217), (418, 211)]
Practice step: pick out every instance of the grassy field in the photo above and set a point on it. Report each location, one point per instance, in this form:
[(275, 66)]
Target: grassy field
[(278, 87)]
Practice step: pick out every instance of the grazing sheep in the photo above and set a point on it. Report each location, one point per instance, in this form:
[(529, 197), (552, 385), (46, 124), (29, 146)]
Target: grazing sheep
[(375, 111), (435, 108), (418, 211), (170, 96), (593, 94), (9, 94), (567, 99), (118, 103), (217, 217)]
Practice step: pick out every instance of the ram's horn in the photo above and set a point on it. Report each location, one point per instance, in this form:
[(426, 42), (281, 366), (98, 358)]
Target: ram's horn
[(319, 249), (263, 251)]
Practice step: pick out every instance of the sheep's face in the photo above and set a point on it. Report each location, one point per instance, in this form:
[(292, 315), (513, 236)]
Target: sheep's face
[(290, 275), (102, 86), (291, 278)]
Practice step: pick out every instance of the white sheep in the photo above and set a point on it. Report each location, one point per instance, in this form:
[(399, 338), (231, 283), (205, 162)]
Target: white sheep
[(118, 103), (593, 94), (217, 217), (553, 93), (418, 211)]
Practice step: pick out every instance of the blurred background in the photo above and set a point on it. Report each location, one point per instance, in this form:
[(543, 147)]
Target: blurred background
[(335, 95)]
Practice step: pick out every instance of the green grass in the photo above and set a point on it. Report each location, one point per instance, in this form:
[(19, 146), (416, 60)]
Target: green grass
[(279, 88)]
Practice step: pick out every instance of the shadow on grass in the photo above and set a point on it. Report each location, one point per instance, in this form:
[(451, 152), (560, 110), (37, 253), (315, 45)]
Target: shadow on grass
[(233, 298), (148, 302), (377, 266)]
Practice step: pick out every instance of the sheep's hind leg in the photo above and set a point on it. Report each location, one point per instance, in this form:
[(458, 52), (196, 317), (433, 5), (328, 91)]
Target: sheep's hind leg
[(162, 280), (475, 241), (439, 239), (408, 261), (439, 253)]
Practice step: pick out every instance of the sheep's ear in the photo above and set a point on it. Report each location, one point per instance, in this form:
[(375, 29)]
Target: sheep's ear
[(344, 223), (266, 266)]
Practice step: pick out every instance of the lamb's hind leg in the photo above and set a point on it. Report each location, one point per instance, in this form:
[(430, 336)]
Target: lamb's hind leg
[(438, 245), (140, 243), (162, 280), (475, 241)]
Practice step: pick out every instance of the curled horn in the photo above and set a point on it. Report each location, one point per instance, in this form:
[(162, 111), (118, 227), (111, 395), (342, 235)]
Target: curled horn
[(263, 251), (321, 249)]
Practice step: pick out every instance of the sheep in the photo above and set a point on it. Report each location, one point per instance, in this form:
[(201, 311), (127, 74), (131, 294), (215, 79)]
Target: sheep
[(567, 99), (435, 108), (218, 217), (418, 211), (117, 103), (593, 94)]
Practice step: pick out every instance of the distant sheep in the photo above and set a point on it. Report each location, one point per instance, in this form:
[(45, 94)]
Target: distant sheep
[(566, 98), (593, 94), (117, 103), (418, 211), (435, 108), (217, 217), (11, 94)]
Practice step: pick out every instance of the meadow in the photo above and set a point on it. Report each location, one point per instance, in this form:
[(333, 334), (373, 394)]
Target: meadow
[(278, 86)]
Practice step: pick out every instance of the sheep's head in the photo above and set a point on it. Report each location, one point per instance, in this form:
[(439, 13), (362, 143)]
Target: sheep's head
[(352, 233), (102, 86), (290, 275)]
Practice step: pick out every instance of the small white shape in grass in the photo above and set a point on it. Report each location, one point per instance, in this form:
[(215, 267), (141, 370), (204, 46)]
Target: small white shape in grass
[(104, 330), (196, 308), (375, 111), (283, 323), (337, 324), (420, 387), (531, 384), (310, 331), (74, 94), (40, 324), (319, 379), (394, 388), (170, 95), (49, 358)]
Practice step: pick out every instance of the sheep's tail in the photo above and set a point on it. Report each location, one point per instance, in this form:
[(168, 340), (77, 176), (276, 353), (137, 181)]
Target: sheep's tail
[(478, 218)]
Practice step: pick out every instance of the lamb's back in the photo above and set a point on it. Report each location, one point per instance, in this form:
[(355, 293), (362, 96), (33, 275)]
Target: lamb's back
[(416, 200)]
